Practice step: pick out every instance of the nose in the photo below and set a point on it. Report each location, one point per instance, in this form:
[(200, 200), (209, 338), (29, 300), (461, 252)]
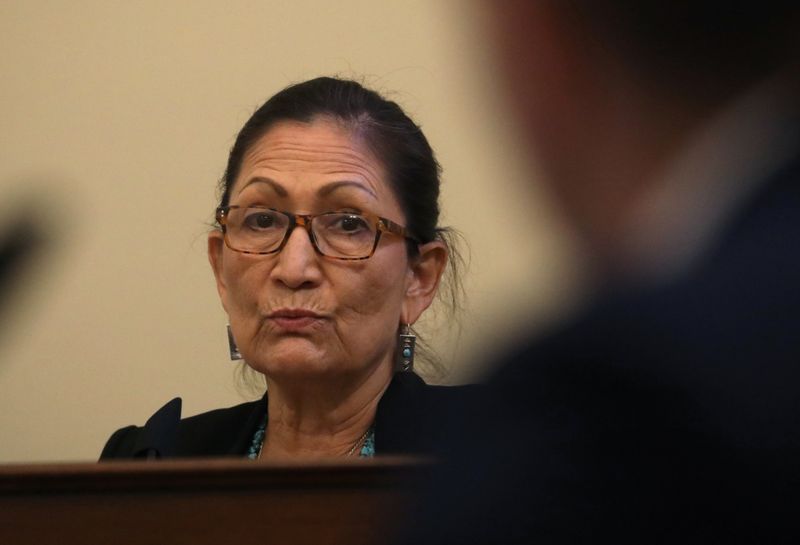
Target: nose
[(297, 263)]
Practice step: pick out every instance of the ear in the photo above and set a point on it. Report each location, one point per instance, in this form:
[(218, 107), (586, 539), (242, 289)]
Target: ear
[(216, 245), (425, 272)]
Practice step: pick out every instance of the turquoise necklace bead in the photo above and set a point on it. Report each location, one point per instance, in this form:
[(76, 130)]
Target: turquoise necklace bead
[(367, 449)]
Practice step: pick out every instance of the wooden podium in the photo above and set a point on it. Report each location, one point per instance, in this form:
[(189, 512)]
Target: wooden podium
[(219, 501)]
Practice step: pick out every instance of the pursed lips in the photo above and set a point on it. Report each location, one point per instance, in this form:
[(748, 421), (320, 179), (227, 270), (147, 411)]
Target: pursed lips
[(295, 319)]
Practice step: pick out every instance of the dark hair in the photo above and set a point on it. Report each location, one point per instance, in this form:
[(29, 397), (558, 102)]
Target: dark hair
[(392, 136), (397, 142)]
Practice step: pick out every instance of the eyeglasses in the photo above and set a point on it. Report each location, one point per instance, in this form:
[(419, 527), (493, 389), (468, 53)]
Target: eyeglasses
[(339, 235)]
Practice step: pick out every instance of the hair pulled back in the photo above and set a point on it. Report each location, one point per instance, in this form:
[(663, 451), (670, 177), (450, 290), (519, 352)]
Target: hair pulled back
[(397, 142)]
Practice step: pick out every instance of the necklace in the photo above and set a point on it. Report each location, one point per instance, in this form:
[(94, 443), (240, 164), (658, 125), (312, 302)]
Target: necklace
[(366, 437), (358, 442)]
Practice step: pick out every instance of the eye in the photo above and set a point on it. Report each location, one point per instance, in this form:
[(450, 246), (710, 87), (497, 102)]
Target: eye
[(260, 220), (352, 223), (343, 225)]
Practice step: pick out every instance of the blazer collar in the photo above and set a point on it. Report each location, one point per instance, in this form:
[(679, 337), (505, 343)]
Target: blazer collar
[(256, 416), (399, 413)]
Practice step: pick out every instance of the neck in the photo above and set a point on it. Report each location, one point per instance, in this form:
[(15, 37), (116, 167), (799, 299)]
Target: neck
[(322, 418)]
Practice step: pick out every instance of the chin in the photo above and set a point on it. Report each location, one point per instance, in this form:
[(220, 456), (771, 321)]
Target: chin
[(295, 364)]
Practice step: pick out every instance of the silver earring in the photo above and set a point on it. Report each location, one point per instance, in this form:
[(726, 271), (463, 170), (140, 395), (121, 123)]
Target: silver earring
[(235, 354), (406, 349)]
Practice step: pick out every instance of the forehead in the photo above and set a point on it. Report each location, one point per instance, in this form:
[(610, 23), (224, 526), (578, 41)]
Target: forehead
[(304, 158)]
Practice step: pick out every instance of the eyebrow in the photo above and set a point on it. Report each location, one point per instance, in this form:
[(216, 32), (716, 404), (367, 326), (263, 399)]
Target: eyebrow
[(324, 191), (276, 187), (327, 189)]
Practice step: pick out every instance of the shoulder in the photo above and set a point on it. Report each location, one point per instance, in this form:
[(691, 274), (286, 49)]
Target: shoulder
[(411, 413), (219, 432), (121, 443), (411, 392), (680, 365)]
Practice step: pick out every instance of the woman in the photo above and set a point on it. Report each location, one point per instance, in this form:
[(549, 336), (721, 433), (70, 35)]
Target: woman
[(327, 251)]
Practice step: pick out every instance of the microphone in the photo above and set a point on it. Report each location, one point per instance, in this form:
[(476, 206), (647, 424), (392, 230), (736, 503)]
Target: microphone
[(19, 242), (157, 438)]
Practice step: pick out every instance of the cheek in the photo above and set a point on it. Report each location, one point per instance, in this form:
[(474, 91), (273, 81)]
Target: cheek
[(373, 299), (367, 324), (244, 279)]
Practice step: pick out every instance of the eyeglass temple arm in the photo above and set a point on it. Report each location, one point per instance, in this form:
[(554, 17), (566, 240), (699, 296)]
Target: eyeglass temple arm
[(392, 227)]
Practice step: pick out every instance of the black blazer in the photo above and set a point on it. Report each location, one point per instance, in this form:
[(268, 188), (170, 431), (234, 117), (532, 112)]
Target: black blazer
[(405, 423)]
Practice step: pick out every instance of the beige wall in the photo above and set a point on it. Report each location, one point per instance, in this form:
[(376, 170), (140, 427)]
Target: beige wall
[(116, 119)]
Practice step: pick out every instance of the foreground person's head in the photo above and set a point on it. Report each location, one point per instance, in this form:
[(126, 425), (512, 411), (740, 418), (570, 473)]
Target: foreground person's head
[(608, 92)]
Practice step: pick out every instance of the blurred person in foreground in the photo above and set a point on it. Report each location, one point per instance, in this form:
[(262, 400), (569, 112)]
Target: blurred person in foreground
[(669, 409), (327, 249)]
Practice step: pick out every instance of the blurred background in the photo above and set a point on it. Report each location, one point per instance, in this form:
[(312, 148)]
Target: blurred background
[(116, 119)]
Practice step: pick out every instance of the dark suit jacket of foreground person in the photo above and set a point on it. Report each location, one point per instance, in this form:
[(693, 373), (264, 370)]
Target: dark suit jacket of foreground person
[(403, 424), (664, 414)]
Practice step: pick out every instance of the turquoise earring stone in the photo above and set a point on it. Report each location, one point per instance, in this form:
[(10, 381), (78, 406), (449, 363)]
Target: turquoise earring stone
[(406, 350)]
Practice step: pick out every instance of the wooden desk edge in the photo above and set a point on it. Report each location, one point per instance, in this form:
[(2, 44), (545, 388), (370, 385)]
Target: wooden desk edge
[(216, 473)]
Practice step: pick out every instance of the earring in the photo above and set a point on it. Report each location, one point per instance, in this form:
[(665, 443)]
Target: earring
[(235, 354), (406, 349)]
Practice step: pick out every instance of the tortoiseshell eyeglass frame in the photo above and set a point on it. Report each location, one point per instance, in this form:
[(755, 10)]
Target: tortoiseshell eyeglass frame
[(382, 225)]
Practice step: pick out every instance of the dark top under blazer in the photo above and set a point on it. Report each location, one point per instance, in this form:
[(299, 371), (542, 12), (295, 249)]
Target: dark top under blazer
[(403, 423)]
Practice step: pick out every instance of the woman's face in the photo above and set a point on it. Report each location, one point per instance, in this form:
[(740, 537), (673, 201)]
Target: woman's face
[(297, 314)]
